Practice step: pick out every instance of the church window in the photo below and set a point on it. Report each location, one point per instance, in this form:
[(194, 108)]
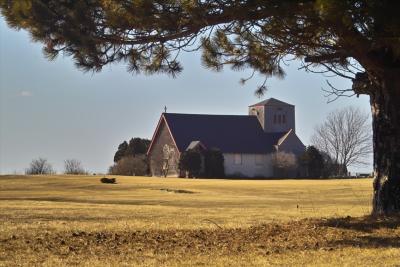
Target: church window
[(238, 159), (279, 119), (274, 118), (283, 118)]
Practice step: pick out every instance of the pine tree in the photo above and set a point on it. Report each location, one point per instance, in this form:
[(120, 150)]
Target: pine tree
[(121, 152)]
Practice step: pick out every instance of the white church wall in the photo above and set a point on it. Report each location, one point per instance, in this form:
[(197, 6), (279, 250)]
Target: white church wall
[(250, 165)]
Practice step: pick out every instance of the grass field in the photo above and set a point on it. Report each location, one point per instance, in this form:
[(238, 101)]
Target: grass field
[(69, 220)]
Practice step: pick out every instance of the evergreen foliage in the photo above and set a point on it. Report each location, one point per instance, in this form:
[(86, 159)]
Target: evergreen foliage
[(214, 164), (257, 34), (122, 150), (190, 162), (136, 146), (313, 162)]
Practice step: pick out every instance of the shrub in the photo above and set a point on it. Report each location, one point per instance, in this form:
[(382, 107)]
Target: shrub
[(131, 166), (214, 164), (105, 180), (312, 162), (284, 164), (73, 166), (190, 162), (40, 166)]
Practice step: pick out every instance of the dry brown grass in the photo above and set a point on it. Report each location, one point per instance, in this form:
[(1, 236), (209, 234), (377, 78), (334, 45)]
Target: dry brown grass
[(66, 220)]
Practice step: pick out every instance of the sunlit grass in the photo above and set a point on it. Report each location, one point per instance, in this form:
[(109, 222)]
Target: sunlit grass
[(52, 207), (141, 202)]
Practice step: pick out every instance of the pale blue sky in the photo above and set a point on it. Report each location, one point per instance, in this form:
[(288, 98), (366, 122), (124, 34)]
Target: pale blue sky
[(50, 109)]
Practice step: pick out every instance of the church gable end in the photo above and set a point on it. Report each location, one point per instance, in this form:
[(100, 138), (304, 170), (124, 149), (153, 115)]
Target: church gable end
[(163, 154)]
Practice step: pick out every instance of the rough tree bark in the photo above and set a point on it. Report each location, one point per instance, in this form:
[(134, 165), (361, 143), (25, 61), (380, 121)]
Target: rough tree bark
[(385, 107), (384, 95)]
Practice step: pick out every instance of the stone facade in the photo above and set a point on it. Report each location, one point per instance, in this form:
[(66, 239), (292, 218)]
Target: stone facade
[(163, 151)]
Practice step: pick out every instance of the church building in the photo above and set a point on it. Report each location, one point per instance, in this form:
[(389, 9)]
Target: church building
[(246, 141)]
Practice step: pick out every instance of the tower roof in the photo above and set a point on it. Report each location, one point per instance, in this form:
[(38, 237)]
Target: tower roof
[(271, 102)]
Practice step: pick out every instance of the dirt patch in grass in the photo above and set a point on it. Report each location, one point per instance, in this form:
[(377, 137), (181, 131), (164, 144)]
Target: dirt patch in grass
[(266, 239), (177, 191)]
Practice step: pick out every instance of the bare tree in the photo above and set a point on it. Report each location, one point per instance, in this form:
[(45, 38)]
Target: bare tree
[(40, 166), (346, 136), (73, 166), (285, 164), (169, 159)]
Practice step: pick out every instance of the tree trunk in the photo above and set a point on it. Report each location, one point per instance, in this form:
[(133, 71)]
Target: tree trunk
[(385, 107)]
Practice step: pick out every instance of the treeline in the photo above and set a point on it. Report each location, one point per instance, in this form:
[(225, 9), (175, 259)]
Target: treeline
[(316, 164), (311, 164)]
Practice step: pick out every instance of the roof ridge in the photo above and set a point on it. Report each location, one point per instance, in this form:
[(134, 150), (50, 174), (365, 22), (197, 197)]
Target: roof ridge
[(198, 114), (270, 101)]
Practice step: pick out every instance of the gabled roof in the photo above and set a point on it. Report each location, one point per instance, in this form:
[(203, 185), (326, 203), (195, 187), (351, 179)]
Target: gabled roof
[(283, 138), (271, 102), (229, 133), (194, 145)]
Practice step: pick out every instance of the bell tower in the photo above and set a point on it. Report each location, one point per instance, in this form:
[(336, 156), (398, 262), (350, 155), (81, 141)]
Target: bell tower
[(274, 115)]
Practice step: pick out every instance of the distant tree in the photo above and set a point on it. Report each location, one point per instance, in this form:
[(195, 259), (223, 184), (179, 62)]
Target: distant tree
[(40, 166), (73, 166), (284, 164), (346, 136), (313, 162), (122, 149), (190, 162), (130, 166), (136, 146), (214, 163)]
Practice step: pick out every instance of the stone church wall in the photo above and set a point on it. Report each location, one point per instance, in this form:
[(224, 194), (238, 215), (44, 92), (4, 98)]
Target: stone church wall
[(157, 153)]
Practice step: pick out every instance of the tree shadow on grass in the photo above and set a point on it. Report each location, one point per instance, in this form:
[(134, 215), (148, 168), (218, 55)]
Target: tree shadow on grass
[(368, 242), (365, 224)]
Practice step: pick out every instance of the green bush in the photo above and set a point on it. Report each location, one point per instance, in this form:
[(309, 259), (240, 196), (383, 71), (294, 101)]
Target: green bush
[(214, 164), (190, 163)]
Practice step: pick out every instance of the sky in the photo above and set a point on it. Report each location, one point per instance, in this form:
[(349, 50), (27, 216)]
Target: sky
[(51, 109)]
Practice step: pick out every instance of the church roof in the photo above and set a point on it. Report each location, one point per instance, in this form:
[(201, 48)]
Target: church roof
[(229, 133), (271, 102), (194, 144)]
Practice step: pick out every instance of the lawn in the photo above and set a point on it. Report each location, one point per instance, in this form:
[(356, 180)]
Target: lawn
[(69, 220)]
